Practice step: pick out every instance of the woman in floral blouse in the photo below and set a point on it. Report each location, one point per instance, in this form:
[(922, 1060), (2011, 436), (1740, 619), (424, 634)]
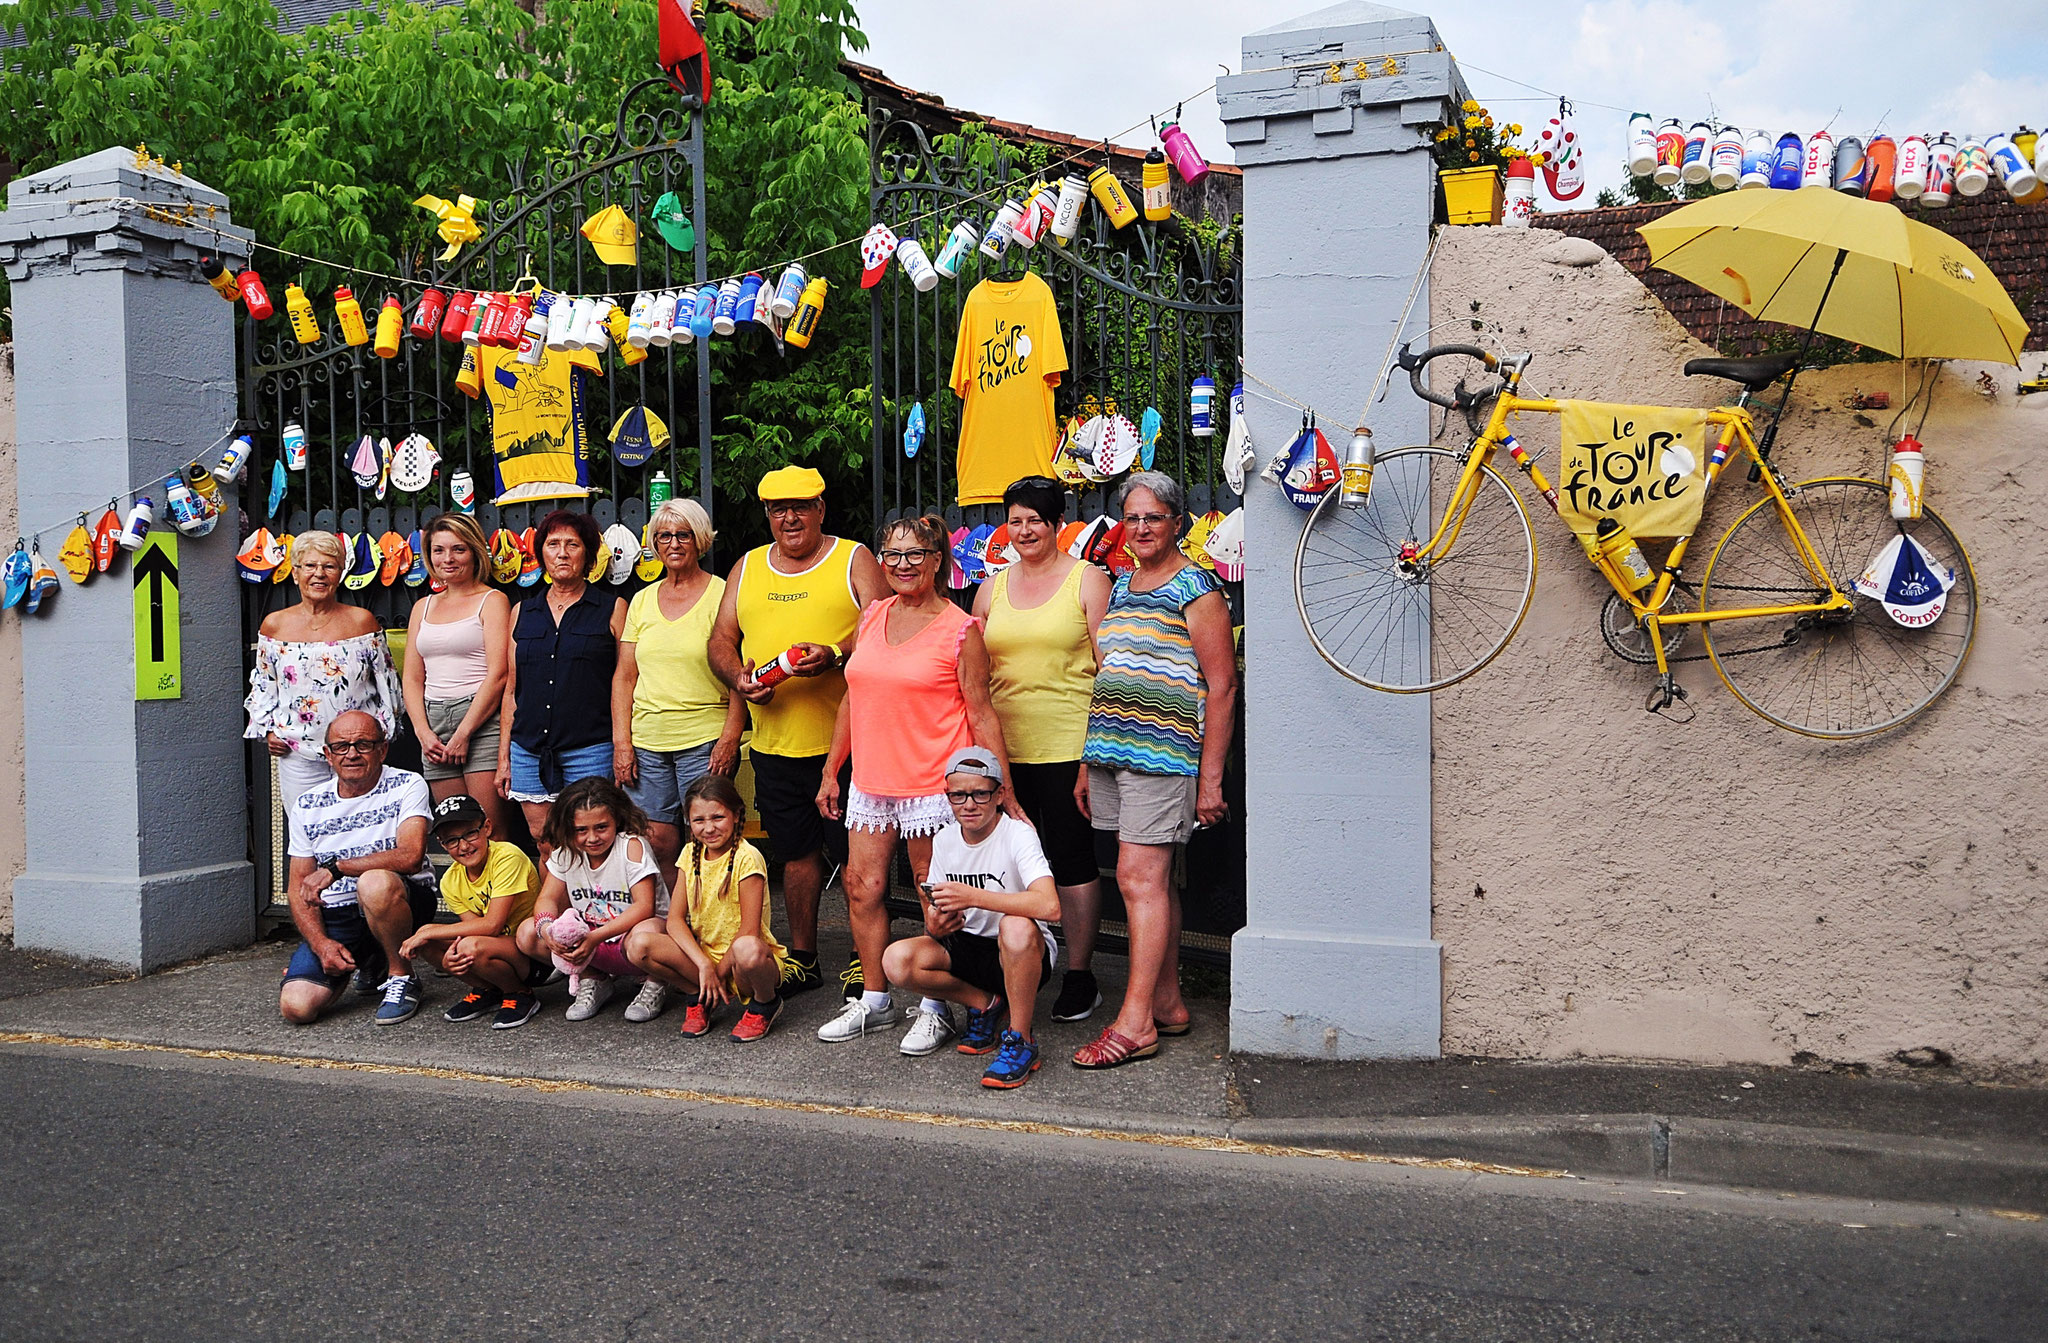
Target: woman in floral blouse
[(315, 661)]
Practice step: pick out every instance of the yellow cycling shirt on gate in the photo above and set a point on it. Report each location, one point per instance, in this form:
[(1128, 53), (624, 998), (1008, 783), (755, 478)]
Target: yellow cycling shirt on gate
[(507, 872), (777, 610), (1009, 359)]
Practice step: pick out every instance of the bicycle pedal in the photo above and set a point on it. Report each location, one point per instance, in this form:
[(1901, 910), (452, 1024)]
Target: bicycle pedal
[(1665, 698)]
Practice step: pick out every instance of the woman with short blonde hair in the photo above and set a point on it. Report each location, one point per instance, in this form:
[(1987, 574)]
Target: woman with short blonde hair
[(316, 660), (455, 655)]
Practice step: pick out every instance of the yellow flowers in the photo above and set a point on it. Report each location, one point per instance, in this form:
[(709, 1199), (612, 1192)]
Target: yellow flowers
[(1488, 122), (1474, 156), (1444, 134), (1471, 121), (1471, 106), (1514, 129)]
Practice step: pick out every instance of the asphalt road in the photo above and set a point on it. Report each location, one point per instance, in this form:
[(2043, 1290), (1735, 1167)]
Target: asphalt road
[(150, 1195)]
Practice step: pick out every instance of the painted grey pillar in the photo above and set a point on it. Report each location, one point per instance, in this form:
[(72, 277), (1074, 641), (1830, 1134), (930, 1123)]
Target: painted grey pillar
[(125, 370), (1336, 958)]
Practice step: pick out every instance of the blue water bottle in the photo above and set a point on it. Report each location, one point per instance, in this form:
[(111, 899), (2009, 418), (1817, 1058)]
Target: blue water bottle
[(702, 311), (1788, 169)]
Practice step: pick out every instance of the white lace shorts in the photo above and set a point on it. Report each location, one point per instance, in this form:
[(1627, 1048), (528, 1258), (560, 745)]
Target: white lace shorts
[(910, 817)]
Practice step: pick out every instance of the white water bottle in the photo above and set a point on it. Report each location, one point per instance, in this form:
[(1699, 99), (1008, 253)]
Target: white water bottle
[(139, 518), (1908, 473), (1642, 145)]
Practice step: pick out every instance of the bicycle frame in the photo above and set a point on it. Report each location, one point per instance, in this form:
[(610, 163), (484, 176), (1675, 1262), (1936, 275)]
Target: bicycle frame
[(1736, 439)]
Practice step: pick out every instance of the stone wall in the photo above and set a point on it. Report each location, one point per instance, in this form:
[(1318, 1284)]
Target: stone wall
[(1608, 884), (13, 790)]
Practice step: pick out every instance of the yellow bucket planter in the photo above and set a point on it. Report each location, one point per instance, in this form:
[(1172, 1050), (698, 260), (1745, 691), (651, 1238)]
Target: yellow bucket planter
[(1472, 195)]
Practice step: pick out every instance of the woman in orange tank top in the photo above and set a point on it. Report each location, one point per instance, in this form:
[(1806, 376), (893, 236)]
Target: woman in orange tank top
[(916, 691)]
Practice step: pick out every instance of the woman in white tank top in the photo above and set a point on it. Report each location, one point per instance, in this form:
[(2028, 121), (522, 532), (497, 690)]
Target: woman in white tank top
[(455, 666)]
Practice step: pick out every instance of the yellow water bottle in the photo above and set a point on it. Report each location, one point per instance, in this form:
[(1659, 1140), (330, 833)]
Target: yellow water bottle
[(1111, 196), (390, 321), (809, 309), (616, 322), (305, 329), (350, 314), (1623, 557), (1158, 184)]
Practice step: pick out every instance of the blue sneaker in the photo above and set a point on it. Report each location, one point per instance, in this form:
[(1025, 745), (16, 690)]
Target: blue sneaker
[(980, 1035), (401, 1000), (1015, 1062)]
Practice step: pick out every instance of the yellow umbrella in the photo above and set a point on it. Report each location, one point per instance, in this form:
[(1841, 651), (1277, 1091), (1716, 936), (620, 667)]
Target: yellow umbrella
[(1857, 269)]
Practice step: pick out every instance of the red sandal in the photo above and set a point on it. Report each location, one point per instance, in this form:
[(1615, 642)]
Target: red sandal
[(1112, 1050)]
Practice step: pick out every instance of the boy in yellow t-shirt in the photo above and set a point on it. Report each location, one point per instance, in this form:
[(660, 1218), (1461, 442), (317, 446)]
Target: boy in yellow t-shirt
[(491, 886), (716, 942)]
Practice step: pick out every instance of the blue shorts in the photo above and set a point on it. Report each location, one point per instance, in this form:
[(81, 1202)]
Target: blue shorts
[(346, 925), (583, 762), (664, 777)]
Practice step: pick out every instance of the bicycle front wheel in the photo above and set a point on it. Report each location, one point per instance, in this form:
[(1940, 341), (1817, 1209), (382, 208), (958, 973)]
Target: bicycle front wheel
[(1834, 674), (1393, 620)]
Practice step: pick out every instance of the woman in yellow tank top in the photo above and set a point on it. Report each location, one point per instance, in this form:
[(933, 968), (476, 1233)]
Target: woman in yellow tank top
[(1040, 616)]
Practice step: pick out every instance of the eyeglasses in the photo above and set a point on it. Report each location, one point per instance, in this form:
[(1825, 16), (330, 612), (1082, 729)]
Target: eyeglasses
[(786, 508), (463, 840), (1147, 519), (367, 746), (896, 557), (673, 538), (980, 797)]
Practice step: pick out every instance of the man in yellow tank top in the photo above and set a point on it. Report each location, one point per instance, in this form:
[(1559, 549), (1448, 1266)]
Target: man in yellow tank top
[(799, 595)]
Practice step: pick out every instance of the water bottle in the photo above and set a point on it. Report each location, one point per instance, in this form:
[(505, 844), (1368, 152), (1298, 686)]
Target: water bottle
[(1201, 407), (916, 266), (1158, 187), (2013, 169), (1909, 178), (703, 311), (1756, 160), (1519, 202), (1881, 167), (789, 290), (1849, 166), (350, 313), (1642, 145), (220, 277), (533, 336), (1693, 166), (234, 459), (1819, 169), (1972, 168), (809, 312), (637, 333), (1355, 485), (1111, 196), (1789, 164), (1907, 474), (1670, 153), (1624, 557), (724, 317), (1066, 215), (305, 329), (426, 319), (182, 506), (1941, 171), (750, 292), (1724, 159), (254, 296), (597, 337), (292, 441), (137, 527), (1187, 160), (390, 321), (659, 491), (996, 240), (455, 320)]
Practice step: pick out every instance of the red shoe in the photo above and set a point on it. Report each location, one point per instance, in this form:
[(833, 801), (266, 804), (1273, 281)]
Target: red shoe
[(754, 1024), (696, 1021)]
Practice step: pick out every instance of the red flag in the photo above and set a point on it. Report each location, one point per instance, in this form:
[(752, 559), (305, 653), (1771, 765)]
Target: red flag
[(683, 57)]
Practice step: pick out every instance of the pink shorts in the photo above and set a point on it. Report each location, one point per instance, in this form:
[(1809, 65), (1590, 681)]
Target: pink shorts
[(610, 959)]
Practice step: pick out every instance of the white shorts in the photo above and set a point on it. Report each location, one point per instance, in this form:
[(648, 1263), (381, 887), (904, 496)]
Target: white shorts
[(910, 817)]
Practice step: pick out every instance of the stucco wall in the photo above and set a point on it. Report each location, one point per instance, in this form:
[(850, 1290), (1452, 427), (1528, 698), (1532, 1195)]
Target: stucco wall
[(1608, 884), (13, 834)]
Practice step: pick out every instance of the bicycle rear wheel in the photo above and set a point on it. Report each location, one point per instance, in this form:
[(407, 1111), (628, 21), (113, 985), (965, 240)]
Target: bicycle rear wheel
[(1410, 625), (1837, 674)]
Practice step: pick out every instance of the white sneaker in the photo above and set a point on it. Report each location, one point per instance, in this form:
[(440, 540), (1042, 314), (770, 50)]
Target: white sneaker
[(929, 1031), (647, 1004), (856, 1020), (592, 993)]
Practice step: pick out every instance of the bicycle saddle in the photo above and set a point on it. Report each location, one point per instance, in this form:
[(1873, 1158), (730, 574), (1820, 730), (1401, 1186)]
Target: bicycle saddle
[(1754, 374)]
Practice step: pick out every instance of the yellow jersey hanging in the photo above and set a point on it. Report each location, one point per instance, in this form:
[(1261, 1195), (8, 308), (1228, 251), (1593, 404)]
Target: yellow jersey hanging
[(540, 446)]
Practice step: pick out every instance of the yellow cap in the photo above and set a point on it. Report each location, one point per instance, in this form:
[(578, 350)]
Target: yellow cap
[(792, 482), (615, 236)]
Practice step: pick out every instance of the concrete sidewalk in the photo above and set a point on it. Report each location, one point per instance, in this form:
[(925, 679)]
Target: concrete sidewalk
[(1789, 1130)]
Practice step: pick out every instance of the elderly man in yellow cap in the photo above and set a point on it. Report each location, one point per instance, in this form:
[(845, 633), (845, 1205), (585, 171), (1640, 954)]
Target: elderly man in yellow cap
[(798, 598)]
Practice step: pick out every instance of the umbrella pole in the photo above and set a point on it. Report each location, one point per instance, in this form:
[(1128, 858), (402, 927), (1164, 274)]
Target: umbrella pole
[(1770, 438)]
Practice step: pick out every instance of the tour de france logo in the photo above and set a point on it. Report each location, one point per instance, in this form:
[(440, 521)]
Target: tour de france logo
[(1627, 470), (1004, 355)]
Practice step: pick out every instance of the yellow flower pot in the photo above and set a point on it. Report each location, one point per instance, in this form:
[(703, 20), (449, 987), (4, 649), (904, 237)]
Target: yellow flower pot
[(1472, 195)]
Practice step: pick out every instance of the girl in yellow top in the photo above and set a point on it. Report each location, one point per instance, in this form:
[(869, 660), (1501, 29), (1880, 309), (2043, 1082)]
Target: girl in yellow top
[(717, 943), (1040, 618)]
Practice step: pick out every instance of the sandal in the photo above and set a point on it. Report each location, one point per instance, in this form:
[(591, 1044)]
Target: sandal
[(1112, 1050), (1173, 1027)]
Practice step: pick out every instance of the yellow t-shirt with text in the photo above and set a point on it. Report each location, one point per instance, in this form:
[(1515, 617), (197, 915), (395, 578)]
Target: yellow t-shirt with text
[(1009, 359), (507, 871)]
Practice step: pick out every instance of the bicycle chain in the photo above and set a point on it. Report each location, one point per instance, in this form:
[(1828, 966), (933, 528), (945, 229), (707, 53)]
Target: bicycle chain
[(1785, 642)]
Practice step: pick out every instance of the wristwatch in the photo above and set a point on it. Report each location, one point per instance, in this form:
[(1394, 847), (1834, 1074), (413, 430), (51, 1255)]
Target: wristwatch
[(332, 867)]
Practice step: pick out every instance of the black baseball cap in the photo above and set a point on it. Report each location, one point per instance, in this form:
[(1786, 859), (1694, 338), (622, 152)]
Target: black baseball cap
[(450, 810)]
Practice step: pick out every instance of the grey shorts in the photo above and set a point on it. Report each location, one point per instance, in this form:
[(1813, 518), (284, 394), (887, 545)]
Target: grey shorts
[(1142, 808), (664, 777), (444, 716)]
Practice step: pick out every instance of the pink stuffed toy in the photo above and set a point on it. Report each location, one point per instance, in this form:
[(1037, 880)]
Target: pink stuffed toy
[(565, 930)]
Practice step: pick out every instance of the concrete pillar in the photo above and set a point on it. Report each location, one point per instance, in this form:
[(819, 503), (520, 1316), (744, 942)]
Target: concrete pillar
[(1336, 958), (125, 366)]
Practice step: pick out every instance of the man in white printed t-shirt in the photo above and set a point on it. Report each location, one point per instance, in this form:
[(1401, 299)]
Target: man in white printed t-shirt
[(360, 882), (986, 903)]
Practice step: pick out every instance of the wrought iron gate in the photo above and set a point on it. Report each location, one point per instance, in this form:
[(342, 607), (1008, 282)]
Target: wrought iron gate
[(338, 392)]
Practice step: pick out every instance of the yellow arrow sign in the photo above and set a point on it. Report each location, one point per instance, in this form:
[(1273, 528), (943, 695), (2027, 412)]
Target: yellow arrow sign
[(159, 665)]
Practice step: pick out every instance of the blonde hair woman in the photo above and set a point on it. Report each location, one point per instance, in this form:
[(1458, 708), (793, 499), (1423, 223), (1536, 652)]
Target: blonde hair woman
[(673, 720), (455, 656), (316, 660)]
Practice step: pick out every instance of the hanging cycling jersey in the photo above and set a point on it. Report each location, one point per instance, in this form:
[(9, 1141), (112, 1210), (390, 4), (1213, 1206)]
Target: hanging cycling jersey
[(1643, 466), (540, 445)]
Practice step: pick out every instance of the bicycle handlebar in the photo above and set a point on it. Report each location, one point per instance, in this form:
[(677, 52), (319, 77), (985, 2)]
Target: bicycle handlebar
[(1459, 399)]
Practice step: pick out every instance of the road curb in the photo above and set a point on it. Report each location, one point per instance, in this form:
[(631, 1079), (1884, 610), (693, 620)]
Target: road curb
[(1684, 1150)]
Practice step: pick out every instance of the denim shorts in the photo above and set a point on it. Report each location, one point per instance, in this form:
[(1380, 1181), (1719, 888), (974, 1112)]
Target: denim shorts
[(664, 777), (346, 925), (583, 762), (445, 716)]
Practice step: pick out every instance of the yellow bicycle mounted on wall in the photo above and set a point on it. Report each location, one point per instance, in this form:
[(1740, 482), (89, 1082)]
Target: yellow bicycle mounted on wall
[(1424, 580)]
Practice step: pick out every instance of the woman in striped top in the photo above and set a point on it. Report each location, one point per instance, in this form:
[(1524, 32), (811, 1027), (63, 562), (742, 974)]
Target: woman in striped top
[(1159, 725)]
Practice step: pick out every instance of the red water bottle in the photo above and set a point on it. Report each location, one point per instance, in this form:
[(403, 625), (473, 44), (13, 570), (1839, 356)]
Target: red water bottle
[(456, 321), (255, 295), (427, 319), (494, 321), (517, 311)]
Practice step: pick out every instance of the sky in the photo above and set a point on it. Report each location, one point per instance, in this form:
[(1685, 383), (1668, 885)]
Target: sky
[(1098, 68)]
